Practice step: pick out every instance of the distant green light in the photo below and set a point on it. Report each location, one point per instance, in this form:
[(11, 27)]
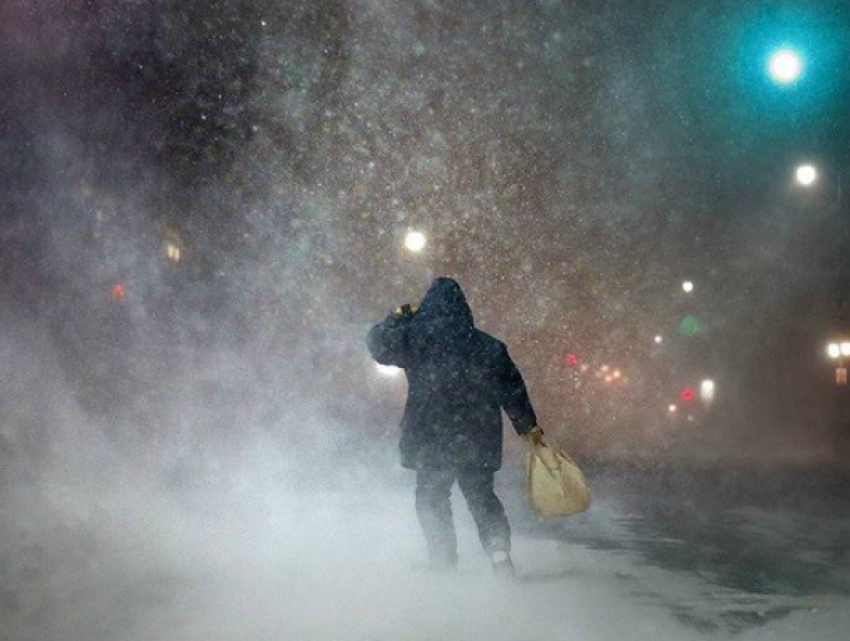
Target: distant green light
[(690, 326)]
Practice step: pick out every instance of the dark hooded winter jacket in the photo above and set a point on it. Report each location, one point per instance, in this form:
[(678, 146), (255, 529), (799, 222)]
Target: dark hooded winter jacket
[(458, 379)]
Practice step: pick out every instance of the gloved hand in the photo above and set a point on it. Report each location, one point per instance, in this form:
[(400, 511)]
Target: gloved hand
[(404, 311), (534, 436)]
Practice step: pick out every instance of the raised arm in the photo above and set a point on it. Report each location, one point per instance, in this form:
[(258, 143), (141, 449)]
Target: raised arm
[(388, 341)]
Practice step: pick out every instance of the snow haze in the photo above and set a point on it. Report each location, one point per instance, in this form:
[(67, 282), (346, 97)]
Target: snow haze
[(204, 206)]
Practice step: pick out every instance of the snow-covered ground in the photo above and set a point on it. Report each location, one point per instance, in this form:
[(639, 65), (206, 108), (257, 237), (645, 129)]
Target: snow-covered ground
[(138, 562)]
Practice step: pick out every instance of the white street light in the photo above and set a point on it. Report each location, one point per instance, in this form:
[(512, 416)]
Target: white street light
[(806, 175), (785, 66), (389, 371), (172, 251), (415, 241), (838, 352), (688, 286), (672, 408), (658, 339), (706, 390)]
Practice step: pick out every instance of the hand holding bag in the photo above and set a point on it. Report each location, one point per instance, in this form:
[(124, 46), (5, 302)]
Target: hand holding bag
[(556, 486)]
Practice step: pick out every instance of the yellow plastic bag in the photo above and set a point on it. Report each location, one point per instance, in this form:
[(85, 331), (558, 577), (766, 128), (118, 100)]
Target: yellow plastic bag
[(556, 486)]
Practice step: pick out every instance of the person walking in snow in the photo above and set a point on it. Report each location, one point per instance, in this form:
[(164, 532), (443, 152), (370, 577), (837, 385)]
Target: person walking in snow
[(459, 380)]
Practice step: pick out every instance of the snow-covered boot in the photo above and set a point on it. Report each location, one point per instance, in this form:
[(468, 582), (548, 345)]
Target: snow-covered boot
[(503, 567)]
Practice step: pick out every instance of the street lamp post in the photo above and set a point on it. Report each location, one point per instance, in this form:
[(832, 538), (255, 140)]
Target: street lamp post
[(808, 175), (838, 351)]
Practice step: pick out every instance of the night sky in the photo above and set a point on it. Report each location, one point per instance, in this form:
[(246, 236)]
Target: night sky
[(570, 162)]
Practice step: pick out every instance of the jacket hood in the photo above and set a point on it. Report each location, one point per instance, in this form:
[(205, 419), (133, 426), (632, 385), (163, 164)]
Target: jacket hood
[(445, 299)]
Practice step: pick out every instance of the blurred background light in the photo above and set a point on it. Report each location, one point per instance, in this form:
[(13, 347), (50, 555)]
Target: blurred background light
[(706, 390), (785, 66), (389, 371), (690, 326), (415, 241), (806, 175)]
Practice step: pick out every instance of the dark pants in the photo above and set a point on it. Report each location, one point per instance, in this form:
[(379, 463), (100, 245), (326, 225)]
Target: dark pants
[(433, 506)]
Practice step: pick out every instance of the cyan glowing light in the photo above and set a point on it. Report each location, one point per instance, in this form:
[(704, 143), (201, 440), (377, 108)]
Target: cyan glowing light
[(785, 66), (806, 175)]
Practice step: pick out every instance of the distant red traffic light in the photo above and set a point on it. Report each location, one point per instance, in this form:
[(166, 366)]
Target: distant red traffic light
[(118, 291), (687, 394), (572, 360)]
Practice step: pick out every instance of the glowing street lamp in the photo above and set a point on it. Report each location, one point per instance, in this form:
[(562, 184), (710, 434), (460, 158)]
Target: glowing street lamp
[(658, 339), (415, 241), (834, 350), (172, 251), (838, 352), (785, 66), (688, 286), (806, 175), (706, 390), (388, 371)]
